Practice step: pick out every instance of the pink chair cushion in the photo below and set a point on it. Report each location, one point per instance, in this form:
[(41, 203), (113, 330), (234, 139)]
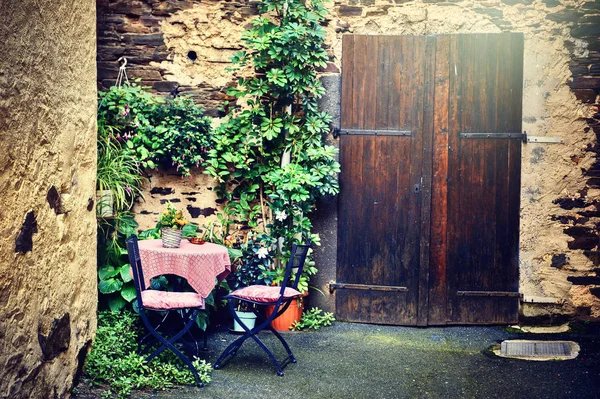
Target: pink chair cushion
[(163, 300), (264, 294)]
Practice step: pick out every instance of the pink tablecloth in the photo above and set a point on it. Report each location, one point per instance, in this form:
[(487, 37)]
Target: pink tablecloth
[(199, 264)]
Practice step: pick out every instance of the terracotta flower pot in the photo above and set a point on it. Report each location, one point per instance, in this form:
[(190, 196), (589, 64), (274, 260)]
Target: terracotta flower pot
[(291, 315)]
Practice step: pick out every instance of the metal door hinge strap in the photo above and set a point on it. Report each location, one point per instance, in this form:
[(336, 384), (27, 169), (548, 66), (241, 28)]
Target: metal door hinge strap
[(489, 293), (377, 132), (366, 287), (518, 136), (544, 139)]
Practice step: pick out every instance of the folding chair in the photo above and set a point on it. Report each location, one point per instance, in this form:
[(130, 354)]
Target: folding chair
[(187, 304), (261, 295)]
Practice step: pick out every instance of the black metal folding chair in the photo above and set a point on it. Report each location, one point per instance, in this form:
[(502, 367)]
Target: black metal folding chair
[(186, 304), (261, 295)]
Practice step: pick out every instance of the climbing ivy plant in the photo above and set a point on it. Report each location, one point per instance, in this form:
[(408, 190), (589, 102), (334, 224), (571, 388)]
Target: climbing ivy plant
[(269, 155)]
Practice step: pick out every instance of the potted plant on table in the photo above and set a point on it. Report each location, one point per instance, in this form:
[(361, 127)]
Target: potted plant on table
[(171, 224)]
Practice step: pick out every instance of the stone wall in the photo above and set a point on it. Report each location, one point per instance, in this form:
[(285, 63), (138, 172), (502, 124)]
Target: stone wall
[(560, 186), (48, 277)]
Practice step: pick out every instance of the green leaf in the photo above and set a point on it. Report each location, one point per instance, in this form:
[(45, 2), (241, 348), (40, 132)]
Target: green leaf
[(128, 293), (126, 273), (116, 303), (109, 286), (234, 253), (189, 230), (107, 272)]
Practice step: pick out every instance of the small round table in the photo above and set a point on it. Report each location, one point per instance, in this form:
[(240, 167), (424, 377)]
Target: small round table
[(200, 265)]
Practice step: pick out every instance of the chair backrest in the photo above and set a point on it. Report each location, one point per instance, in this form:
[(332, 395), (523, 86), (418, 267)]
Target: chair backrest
[(133, 251), (297, 259)]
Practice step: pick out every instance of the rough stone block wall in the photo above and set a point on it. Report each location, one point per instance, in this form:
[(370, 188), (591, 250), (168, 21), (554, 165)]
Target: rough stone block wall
[(560, 194), (48, 279)]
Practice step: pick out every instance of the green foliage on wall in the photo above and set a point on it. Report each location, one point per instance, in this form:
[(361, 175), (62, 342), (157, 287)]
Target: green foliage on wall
[(279, 121)]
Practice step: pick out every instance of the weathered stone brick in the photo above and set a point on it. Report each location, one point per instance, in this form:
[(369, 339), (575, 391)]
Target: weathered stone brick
[(594, 4), (492, 12), (151, 20), (153, 39), (564, 16), (164, 86), (551, 3), (515, 2), (587, 96), (587, 30), (136, 8), (350, 11), (373, 13), (144, 73), (584, 83)]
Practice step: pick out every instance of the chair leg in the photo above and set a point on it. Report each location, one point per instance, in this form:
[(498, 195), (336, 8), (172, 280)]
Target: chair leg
[(284, 343), (231, 350), (150, 337), (169, 344)]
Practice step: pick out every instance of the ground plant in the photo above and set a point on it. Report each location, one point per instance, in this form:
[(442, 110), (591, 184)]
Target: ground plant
[(115, 283), (115, 364), (313, 319), (269, 155)]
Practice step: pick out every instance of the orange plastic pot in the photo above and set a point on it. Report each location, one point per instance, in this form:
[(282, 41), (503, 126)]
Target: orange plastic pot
[(291, 315)]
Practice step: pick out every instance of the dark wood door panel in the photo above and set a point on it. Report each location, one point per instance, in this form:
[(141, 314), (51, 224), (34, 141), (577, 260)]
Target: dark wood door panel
[(379, 212), (484, 179)]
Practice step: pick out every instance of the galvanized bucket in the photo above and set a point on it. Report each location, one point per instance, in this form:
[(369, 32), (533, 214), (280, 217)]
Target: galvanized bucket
[(171, 238)]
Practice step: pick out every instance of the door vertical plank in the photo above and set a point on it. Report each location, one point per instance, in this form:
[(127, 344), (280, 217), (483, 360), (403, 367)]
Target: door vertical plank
[(439, 185), (517, 46), (346, 117), (348, 200), (490, 183), (371, 77), (360, 64), (414, 94), (502, 151), (427, 170), (454, 178), (398, 76)]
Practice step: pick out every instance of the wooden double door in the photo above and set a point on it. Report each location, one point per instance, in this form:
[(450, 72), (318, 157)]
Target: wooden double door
[(428, 222)]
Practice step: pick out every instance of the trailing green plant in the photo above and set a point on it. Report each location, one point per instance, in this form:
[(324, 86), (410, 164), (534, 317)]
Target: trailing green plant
[(156, 130), (116, 171), (115, 363), (269, 156), (313, 319)]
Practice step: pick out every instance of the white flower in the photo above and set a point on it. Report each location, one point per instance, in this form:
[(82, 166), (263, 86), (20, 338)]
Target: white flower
[(262, 253), (281, 215)]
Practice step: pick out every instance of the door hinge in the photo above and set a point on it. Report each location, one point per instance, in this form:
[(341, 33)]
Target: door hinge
[(365, 287), (375, 132), (520, 136)]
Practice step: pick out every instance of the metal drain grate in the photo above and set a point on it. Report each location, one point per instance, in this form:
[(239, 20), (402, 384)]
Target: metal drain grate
[(538, 350), (541, 349)]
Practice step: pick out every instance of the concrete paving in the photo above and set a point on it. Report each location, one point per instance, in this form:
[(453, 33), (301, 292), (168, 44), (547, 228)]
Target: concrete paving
[(370, 361)]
